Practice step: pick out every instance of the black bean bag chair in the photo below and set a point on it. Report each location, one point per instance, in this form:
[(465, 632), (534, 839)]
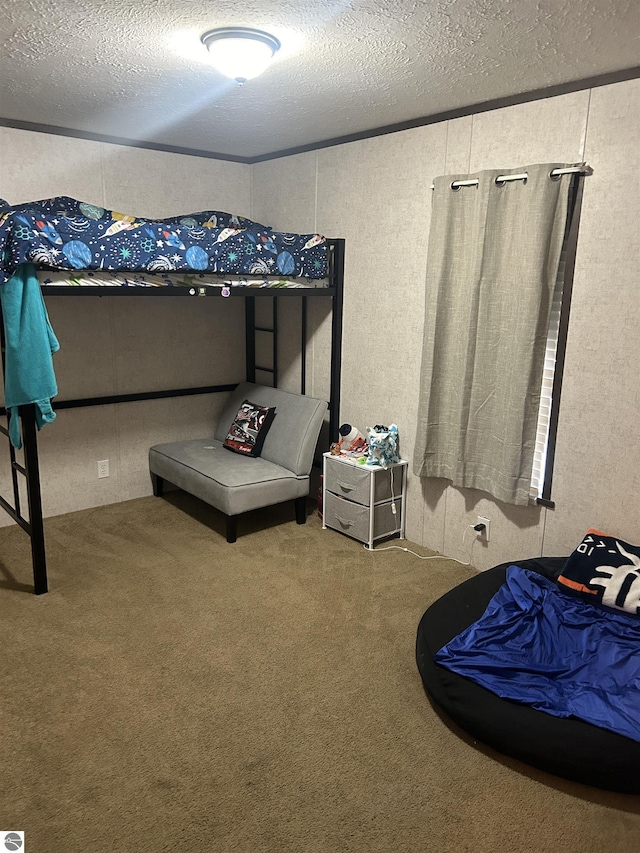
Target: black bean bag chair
[(566, 747)]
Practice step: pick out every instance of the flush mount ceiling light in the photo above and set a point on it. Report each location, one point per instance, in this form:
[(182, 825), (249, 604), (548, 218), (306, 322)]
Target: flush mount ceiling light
[(240, 52)]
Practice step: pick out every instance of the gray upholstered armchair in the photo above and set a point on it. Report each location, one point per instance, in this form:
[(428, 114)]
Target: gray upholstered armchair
[(235, 484)]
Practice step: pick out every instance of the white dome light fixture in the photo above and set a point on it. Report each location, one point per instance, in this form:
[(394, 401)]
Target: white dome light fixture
[(240, 53)]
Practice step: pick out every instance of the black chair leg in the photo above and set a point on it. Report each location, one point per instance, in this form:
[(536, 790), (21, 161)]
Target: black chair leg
[(301, 510), (232, 528), (158, 485)]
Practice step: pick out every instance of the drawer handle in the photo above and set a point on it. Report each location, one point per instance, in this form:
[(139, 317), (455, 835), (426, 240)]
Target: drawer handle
[(346, 487), (345, 522)]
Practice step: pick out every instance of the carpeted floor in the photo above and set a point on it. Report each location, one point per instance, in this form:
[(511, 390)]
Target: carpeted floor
[(174, 692)]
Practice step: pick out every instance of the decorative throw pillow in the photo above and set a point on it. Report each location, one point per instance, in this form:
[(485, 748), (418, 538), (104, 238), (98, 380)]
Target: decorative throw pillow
[(249, 429), (604, 571)]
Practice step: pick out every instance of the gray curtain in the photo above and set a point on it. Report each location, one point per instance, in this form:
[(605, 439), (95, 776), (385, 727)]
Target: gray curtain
[(493, 258)]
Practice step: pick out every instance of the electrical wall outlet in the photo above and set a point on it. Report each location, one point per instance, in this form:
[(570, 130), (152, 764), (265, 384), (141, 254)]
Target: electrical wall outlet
[(103, 468), (484, 534)]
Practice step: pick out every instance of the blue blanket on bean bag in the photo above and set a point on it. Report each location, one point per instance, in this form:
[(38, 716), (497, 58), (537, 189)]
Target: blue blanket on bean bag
[(564, 656)]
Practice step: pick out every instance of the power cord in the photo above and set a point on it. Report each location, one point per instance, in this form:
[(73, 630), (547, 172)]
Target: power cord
[(477, 527), (393, 497)]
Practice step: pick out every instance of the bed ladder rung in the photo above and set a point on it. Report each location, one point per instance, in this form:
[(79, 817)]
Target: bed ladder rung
[(251, 328)]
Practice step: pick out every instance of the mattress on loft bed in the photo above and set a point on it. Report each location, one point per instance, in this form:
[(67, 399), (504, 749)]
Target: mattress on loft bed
[(189, 280), (64, 234)]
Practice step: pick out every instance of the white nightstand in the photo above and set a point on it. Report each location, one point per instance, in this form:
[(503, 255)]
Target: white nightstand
[(363, 501)]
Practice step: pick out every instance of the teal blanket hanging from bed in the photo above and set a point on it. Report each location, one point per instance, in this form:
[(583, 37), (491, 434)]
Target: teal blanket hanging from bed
[(29, 345)]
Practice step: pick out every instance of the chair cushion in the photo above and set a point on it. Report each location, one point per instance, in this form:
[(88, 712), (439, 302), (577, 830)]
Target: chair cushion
[(230, 482)]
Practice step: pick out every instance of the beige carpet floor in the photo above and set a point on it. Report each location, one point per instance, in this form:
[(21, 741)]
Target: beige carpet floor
[(174, 692)]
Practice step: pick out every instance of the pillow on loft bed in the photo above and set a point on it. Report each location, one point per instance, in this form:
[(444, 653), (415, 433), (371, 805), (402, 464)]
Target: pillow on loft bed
[(605, 572), (249, 429)]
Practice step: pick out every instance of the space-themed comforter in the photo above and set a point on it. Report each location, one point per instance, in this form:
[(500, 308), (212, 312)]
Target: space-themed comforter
[(536, 645), (65, 234)]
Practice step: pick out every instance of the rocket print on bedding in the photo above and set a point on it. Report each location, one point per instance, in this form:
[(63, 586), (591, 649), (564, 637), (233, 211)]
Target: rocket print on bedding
[(65, 234)]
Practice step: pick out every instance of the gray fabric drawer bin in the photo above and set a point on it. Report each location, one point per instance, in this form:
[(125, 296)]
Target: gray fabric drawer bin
[(354, 482), (353, 519)]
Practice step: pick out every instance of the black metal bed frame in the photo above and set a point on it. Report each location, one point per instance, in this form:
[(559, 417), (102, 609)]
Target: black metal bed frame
[(33, 525)]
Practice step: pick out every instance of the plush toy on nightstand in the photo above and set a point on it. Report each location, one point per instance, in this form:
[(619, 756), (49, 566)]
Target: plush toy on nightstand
[(351, 439)]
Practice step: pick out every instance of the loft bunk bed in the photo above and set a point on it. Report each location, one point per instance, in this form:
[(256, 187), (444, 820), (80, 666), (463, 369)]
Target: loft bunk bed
[(76, 248)]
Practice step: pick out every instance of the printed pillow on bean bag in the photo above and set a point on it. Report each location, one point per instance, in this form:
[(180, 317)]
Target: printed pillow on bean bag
[(604, 571), (249, 429)]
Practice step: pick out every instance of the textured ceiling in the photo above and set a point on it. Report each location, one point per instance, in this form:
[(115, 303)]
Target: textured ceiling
[(136, 68)]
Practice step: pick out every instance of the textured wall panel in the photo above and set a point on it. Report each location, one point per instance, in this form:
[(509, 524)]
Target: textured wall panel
[(36, 166), (540, 132), (284, 193), (376, 193), (160, 184), (597, 479)]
